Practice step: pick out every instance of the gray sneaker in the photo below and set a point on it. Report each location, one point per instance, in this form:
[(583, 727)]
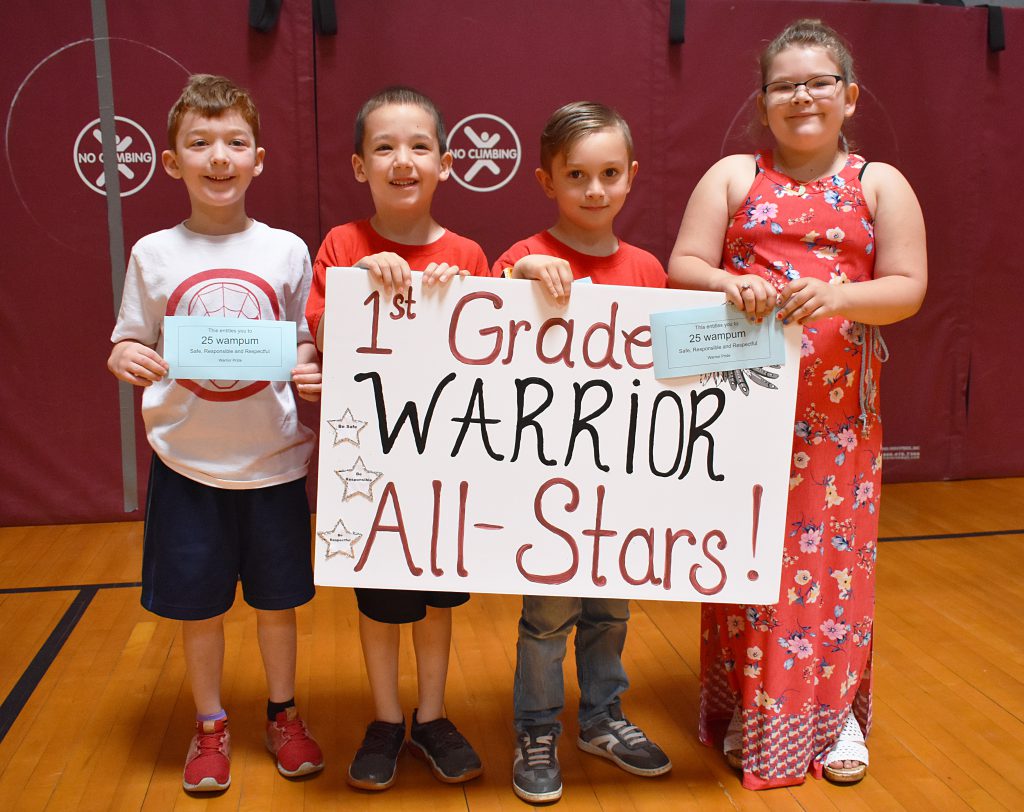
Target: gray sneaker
[(536, 777), (614, 738)]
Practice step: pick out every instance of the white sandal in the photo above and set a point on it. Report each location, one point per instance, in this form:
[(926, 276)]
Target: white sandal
[(732, 744), (848, 747)]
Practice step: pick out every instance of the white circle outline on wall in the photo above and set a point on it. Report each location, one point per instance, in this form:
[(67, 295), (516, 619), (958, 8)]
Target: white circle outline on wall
[(515, 137), (92, 125)]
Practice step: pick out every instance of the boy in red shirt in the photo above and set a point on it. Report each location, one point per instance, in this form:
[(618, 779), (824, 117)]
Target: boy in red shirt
[(401, 154), (587, 168)]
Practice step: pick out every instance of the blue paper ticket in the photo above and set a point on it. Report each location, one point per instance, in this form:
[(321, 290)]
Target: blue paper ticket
[(713, 339), (201, 348)]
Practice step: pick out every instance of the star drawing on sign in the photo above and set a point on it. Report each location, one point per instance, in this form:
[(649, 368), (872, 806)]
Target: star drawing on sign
[(347, 428), (340, 541), (358, 480)]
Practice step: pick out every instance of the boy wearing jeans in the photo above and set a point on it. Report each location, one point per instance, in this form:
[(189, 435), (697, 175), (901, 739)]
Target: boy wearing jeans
[(587, 168)]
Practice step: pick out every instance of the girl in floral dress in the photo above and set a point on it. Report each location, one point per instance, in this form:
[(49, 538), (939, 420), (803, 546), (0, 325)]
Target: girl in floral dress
[(807, 233)]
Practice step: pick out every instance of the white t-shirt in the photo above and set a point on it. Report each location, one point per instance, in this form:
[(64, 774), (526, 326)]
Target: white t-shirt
[(228, 434)]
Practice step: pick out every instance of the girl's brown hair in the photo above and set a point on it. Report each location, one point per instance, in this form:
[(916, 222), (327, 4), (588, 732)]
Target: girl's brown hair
[(809, 33)]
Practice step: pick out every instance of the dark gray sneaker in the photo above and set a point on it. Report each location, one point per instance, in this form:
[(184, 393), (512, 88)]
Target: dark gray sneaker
[(452, 759), (614, 738), (536, 776), (376, 760)]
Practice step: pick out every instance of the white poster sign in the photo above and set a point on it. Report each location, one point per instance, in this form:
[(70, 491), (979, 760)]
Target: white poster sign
[(477, 438)]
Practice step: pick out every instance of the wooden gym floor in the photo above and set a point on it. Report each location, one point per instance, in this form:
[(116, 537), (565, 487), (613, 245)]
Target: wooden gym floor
[(97, 715)]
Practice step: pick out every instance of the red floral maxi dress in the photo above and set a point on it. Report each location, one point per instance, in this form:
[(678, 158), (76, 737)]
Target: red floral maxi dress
[(797, 667)]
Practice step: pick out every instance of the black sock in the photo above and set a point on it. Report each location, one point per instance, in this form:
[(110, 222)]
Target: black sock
[(274, 708)]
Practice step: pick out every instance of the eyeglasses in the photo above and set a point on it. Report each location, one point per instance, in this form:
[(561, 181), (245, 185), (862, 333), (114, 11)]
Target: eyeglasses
[(817, 87)]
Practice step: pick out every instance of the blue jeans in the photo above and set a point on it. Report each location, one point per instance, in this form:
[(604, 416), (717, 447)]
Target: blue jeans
[(539, 692)]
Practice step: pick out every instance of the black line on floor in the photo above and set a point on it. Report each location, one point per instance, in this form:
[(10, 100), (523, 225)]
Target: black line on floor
[(36, 670), (23, 688), (19, 590), (939, 536)]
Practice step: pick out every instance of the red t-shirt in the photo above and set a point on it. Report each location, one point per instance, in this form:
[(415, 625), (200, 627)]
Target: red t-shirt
[(346, 245), (629, 265)]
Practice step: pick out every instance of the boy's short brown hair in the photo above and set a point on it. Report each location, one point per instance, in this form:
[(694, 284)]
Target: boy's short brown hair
[(399, 94), (212, 96), (569, 123)]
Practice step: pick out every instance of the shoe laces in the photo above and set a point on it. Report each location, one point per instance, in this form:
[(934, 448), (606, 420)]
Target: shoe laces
[(539, 751), (209, 742), (444, 736), (630, 734), (291, 729), (378, 739)]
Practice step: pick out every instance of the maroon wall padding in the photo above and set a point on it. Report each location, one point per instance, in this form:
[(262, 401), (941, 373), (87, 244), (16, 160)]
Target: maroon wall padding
[(518, 61), (59, 419), (690, 104), (920, 70), (58, 404), (935, 103), (991, 237)]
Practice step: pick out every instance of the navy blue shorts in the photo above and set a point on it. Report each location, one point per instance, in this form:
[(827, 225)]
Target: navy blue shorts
[(200, 540), (404, 605)]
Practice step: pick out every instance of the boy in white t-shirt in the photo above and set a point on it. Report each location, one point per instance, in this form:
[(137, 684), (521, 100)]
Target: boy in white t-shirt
[(227, 495)]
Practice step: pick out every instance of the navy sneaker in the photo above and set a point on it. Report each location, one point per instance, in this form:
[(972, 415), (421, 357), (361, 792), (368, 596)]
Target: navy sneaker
[(452, 759), (376, 760)]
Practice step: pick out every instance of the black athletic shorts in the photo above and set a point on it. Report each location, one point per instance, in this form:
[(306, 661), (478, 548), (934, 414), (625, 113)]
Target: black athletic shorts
[(404, 605), (200, 541)]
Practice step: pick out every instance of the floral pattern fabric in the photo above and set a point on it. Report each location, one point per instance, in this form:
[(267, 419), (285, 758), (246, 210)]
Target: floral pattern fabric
[(796, 668)]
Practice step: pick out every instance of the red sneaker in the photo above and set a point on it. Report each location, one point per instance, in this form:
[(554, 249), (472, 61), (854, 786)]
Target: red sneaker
[(297, 752), (208, 763)]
